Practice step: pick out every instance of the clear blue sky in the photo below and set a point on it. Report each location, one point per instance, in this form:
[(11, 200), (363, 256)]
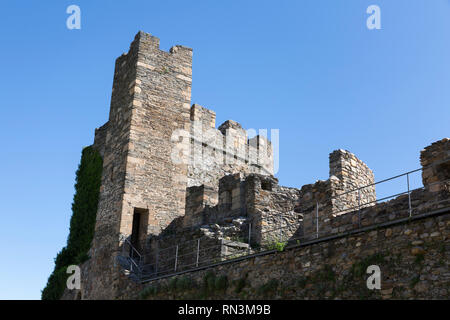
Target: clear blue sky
[(311, 69)]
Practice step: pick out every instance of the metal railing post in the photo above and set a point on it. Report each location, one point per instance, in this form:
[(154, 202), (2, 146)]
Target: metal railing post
[(249, 237), (140, 258), (156, 261), (409, 195), (317, 219), (279, 229), (176, 258), (359, 207), (198, 252), (137, 267)]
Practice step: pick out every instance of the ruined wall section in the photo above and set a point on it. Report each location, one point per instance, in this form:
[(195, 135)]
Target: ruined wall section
[(319, 203), (279, 213), (352, 174), (100, 139), (214, 153), (315, 206), (270, 210), (232, 201), (435, 160), (410, 247), (276, 213), (198, 198)]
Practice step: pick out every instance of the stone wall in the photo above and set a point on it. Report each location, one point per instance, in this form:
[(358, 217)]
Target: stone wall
[(327, 208), (271, 210), (198, 198), (275, 214), (353, 174), (349, 187), (161, 105), (435, 160), (150, 100), (100, 139), (286, 216), (215, 153), (413, 257), (171, 178), (183, 248), (314, 199), (151, 128)]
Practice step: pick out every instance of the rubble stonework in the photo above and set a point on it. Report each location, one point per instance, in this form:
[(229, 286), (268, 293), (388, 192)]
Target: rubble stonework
[(172, 183), (414, 259), (215, 153), (150, 120), (437, 169), (352, 174)]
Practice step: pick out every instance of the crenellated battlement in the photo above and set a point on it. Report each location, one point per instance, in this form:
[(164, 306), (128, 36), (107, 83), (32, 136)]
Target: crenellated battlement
[(145, 42), (215, 153)]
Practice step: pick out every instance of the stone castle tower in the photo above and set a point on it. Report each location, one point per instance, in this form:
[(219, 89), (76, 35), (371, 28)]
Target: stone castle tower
[(170, 178), (151, 147)]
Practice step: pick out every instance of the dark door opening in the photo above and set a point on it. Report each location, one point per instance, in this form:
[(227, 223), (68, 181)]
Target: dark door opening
[(136, 229), (139, 229)]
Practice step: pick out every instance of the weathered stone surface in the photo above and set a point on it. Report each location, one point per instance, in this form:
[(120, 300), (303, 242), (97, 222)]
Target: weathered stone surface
[(417, 251), (173, 184), (434, 159), (138, 172), (330, 274)]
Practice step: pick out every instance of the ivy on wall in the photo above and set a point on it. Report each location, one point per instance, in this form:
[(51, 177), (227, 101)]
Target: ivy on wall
[(82, 222)]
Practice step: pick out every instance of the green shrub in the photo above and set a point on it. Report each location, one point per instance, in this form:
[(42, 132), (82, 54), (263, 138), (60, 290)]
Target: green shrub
[(419, 258), (270, 287), (173, 284), (302, 282), (326, 274), (82, 222), (221, 283), (415, 280), (56, 284), (184, 283), (240, 283), (210, 281), (147, 292), (359, 269), (277, 245)]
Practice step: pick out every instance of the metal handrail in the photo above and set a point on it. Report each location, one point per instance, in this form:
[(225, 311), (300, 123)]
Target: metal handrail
[(132, 247), (174, 246), (394, 177), (292, 238), (391, 196)]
